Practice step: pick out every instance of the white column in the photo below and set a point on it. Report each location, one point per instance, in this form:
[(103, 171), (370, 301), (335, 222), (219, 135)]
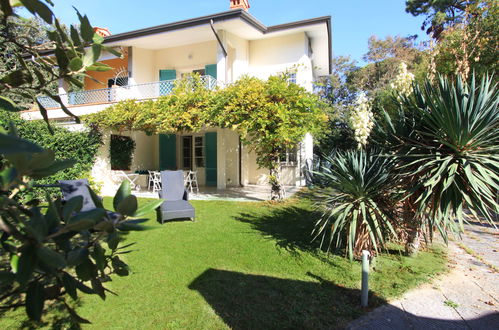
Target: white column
[(62, 90), (221, 59), (221, 151)]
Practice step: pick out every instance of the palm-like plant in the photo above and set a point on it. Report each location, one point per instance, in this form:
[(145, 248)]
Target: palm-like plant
[(356, 201), (446, 140)]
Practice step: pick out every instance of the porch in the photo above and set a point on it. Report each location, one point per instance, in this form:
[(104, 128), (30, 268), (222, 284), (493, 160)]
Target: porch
[(225, 167)]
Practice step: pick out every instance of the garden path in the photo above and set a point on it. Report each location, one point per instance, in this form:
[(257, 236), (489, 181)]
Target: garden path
[(465, 298)]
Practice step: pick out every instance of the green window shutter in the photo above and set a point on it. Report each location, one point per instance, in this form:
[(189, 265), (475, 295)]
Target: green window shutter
[(167, 152), (211, 69), (166, 87), (211, 158)]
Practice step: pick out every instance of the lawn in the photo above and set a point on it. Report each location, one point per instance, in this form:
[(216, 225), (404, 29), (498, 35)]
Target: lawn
[(242, 266)]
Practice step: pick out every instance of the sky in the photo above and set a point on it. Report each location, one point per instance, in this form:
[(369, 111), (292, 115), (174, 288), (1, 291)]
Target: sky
[(353, 21)]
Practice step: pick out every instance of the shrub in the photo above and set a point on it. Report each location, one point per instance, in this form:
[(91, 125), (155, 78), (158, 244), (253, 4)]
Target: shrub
[(121, 151), (66, 144), (356, 201)]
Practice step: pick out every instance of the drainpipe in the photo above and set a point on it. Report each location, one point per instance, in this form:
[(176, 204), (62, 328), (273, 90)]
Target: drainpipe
[(218, 38)]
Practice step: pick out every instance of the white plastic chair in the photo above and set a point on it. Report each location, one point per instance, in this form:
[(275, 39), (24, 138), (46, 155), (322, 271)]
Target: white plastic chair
[(156, 184), (131, 177)]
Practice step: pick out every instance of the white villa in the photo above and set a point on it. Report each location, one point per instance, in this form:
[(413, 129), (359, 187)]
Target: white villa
[(220, 47)]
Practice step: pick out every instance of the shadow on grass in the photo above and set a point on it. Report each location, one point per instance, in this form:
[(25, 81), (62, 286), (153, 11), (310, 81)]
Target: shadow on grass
[(55, 317), (246, 301), (289, 226)]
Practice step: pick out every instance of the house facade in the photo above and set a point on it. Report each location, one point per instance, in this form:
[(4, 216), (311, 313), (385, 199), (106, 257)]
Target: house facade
[(221, 48)]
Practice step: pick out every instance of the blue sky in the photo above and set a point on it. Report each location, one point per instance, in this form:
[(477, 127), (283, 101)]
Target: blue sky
[(353, 20)]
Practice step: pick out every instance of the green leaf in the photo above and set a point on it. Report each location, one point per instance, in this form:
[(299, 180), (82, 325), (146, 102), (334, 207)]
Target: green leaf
[(38, 8), (26, 265), (96, 199), (85, 220), (128, 206), (87, 31), (99, 257), (113, 240), (42, 159), (92, 55), (50, 257), (75, 37), (14, 145), (6, 278), (17, 78), (72, 206), (147, 208), (97, 38), (52, 169), (35, 299), (86, 270), (69, 284), (77, 256), (76, 64), (123, 192), (7, 104), (83, 288)]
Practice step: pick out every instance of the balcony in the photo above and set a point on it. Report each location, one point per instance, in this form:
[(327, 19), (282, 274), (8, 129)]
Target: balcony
[(143, 91)]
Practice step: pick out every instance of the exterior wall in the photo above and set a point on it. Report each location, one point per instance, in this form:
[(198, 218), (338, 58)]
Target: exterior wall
[(143, 158), (143, 66), (186, 58), (102, 77), (238, 57), (276, 55)]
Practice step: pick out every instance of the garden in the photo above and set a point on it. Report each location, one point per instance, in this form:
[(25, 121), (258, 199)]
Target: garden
[(407, 153), (241, 265)]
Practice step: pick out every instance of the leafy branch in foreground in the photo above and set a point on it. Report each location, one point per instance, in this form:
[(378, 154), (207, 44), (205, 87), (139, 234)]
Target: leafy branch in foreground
[(50, 252)]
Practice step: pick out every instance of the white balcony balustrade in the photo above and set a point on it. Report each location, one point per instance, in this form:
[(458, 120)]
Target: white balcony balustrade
[(119, 93)]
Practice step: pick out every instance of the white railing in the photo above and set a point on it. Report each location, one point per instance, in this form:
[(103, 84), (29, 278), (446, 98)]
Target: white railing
[(120, 93)]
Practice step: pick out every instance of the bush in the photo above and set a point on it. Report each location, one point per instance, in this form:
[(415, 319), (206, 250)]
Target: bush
[(66, 144), (121, 151)]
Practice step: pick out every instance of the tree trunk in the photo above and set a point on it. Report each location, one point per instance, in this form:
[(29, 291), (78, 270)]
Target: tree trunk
[(276, 192), (413, 242)]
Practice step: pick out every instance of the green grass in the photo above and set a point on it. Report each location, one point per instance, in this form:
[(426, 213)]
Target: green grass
[(241, 265)]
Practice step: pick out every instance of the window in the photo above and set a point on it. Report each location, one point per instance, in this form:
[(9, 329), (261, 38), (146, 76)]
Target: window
[(187, 152), (288, 156), (199, 151), (192, 151), (292, 78), (121, 151)]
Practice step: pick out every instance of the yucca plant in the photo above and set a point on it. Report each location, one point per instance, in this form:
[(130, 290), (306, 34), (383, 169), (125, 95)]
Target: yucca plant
[(446, 141), (356, 201)]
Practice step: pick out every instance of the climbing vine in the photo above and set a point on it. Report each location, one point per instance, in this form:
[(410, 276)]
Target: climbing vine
[(269, 115)]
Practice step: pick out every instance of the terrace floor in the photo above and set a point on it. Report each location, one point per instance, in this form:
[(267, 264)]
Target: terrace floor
[(246, 193)]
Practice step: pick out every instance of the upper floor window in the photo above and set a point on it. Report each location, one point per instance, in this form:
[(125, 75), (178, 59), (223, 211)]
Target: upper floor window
[(292, 78)]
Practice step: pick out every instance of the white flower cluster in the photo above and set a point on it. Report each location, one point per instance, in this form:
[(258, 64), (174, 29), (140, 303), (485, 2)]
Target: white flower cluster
[(403, 81), (361, 119)]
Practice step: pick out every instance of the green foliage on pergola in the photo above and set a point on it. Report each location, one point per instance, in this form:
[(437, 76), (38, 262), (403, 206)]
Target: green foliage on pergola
[(269, 115)]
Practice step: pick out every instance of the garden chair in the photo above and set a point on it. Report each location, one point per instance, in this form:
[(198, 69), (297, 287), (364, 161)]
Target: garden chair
[(73, 188), (176, 205), (131, 177)]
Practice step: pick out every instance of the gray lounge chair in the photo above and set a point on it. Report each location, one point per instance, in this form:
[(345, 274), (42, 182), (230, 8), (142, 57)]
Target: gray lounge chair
[(72, 188), (176, 205)]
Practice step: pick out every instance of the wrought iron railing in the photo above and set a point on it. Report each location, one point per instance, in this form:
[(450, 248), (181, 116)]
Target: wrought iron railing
[(120, 93)]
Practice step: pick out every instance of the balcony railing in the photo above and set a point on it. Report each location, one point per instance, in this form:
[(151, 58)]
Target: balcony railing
[(120, 93)]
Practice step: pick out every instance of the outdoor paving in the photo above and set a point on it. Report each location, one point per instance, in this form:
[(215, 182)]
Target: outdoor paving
[(465, 298), (244, 194)]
